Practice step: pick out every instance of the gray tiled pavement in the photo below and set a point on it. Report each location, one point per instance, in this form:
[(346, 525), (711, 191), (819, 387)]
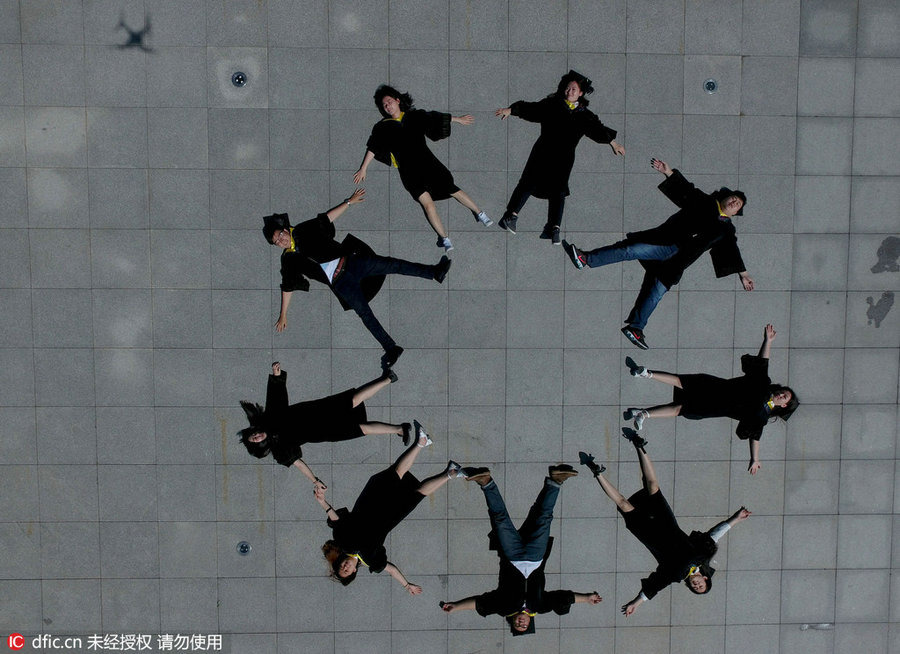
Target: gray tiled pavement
[(137, 301)]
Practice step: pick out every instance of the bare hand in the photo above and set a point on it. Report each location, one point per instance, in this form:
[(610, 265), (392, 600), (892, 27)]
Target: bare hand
[(594, 598), (359, 195), (770, 333), (359, 176), (629, 608), (448, 607), (276, 369), (467, 119), (319, 492), (503, 113), (318, 484), (617, 148), (413, 589), (281, 324), (743, 513), (747, 283), (661, 166), (754, 467)]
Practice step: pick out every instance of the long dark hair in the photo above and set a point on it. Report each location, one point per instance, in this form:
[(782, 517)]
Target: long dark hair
[(583, 82), (405, 99), (784, 412), (255, 414), (335, 557)]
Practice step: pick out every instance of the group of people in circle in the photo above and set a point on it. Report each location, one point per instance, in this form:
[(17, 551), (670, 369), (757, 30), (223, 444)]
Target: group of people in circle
[(355, 273)]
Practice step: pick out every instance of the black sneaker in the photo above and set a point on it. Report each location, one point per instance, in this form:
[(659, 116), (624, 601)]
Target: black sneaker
[(442, 268), (508, 222), (636, 336), (407, 434), (631, 435), (389, 358), (554, 236), (575, 255), (547, 232), (588, 460)]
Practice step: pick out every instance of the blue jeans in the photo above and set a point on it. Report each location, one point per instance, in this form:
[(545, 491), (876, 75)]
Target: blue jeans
[(625, 251), (358, 267), (648, 297), (652, 289), (528, 542)]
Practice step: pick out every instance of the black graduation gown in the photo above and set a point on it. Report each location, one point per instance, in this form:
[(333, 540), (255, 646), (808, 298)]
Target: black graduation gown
[(382, 505), (548, 167), (513, 590), (328, 419), (419, 169), (696, 228), (740, 398), (314, 244), (653, 523)]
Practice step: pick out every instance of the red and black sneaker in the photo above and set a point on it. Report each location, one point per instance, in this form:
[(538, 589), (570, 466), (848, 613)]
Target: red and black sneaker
[(636, 336), (576, 255)]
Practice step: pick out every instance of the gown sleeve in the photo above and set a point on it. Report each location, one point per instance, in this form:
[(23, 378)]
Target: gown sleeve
[(379, 143), (292, 278), (682, 192), (434, 124), (654, 582), (726, 256), (276, 393), (533, 112), (596, 130), (558, 601), (489, 603)]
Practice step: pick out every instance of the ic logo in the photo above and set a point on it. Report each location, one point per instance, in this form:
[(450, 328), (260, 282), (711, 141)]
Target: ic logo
[(16, 641)]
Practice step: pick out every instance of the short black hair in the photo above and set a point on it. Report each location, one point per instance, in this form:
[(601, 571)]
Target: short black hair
[(274, 223), (724, 193)]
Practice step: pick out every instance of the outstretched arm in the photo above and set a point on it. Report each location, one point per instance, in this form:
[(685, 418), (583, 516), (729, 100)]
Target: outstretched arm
[(319, 493), (359, 195), (282, 317), (360, 174), (755, 465), (631, 607), (301, 465), (766, 347), (662, 167), (504, 113), (722, 528), (394, 571), (467, 604), (746, 281), (467, 119), (590, 598)]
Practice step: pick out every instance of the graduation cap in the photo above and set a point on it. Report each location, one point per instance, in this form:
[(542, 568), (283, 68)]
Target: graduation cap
[(511, 618), (274, 223)]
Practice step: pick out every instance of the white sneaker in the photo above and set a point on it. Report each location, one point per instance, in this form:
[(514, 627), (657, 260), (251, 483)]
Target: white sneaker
[(482, 217), (454, 470), (641, 371), (420, 434), (637, 415), (444, 242)]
